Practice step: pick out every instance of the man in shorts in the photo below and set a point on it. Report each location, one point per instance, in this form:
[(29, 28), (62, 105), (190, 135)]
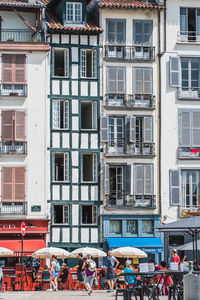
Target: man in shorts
[(112, 264), (80, 271)]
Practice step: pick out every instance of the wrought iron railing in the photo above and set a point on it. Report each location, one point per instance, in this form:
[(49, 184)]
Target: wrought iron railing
[(119, 199), (185, 209), (15, 90), (19, 35), (143, 148), (189, 152), (189, 92), (148, 201), (119, 147), (188, 37), (116, 199), (132, 53), (15, 208), (132, 100), (13, 148)]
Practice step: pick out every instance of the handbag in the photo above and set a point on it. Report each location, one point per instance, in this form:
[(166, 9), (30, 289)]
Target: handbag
[(96, 281)]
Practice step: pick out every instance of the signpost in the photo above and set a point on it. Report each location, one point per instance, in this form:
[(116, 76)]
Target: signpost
[(23, 230)]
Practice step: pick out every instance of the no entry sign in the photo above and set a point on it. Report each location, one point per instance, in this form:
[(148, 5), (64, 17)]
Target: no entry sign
[(23, 229)]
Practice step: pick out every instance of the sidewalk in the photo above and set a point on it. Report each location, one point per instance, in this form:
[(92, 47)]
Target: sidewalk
[(60, 295)]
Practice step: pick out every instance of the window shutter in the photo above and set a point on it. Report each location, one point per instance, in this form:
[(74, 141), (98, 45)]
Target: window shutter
[(111, 80), (147, 80), (19, 125), (7, 126), (83, 63), (56, 114), (120, 31), (133, 129), (106, 180), (147, 32), (19, 68), (94, 63), (195, 129), (120, 80), (127, 179), (7, 184), (183, 21), (138, 32), (198, 23), (185, 128), (148, 179), (66, 114), (138, 80), (111, 28), (94, 214), (148, 129), (139, 179), (94, 115), (66, 168), (53, 167), (174, 71), (174, 182), (104, 129), (127, 129), (7, 68), (19, 182), (66, 214), (94, 167), (66, 62)]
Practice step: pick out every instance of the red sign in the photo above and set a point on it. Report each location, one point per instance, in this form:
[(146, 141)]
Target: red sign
[(32, 226), (23, 228)]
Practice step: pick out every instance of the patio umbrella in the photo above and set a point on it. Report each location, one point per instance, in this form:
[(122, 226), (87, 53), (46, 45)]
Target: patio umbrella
[(48, 252), (4, 252), (87, 250), (128, 252), (189, 246)]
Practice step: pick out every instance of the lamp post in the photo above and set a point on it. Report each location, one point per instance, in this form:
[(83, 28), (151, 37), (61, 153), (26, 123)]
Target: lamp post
[(23, 230)]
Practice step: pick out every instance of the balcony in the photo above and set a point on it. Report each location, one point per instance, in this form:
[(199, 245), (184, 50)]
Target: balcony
[(19, 36), (183, 210), (189, 93), (117, 199), (13, 208), (126, 101), (14, 90), (121, 147), (129, 53), (189, 152), (188, 37), (13, 148)]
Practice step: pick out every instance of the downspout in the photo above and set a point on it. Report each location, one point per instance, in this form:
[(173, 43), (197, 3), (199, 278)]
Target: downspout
[(165, 29)]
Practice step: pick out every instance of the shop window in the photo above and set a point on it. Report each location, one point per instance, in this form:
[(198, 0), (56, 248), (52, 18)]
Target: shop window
[(61, 62), (89, 167), (131, 227), (88, 115), (60, 114), (88, 63), (115, 227), (61, 166), (89, 214), (61, 214), (147, 226)]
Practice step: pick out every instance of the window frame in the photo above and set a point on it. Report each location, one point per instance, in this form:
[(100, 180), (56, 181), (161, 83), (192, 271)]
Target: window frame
[(65, 154), (13, 184), (152, 225), (115, 21), (183, 170), (144, 193), (94, 107), (115, 233), (83, 63), (134, 32), (65, 116), (66, 62), (94, 214), (191, 128), (63, 206), (74, 21), (94, 166)]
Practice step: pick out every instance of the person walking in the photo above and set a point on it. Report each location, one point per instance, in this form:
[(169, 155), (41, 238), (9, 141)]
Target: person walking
[(175, 256), (55, 268), (112, 264), (80, 271), (90, 273)]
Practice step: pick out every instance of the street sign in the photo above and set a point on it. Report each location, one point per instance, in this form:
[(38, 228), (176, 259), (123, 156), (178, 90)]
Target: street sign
[(23, 228)]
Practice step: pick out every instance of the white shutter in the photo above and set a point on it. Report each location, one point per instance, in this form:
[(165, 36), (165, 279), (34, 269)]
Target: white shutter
[(139, 179), (83, 63), (94, 63), (148, 179), (133, 129), (195, 129), (66, 166), (56, 114), (174, 185), (185, 128), (94, 167), (94, 115), (148, 132), (66, 214), (120, 80), (106, 180), (66, 58)]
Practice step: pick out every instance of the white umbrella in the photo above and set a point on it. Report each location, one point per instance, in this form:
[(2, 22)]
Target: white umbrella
[(128, 252), (87, 250), (48, 252), (4, 252)]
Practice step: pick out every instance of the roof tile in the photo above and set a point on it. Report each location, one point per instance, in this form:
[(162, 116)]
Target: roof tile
[(128, 4)]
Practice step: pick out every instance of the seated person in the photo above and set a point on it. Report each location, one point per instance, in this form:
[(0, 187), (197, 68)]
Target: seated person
[(35, 274), (120, 277), (129, 279), (63, 275), (45, 274)]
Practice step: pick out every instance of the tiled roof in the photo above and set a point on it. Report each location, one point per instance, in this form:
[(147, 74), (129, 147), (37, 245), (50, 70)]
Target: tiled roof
[(128, 4), (20, 3), (54, 24)]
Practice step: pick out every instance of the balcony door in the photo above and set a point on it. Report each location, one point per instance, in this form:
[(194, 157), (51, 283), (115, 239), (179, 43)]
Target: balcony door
[(116, 135), (116, 185), (190, 188), (190, 24)]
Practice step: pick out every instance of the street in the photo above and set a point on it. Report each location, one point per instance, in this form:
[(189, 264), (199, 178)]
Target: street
[(60, 295)]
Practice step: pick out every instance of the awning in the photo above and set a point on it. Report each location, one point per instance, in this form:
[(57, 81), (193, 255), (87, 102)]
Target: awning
[(29, 246), (147, 244)]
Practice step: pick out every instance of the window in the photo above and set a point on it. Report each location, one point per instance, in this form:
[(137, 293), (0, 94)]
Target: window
[(142, 82), (116, 84), (147, 226), (61, 214), (190, 74), (88, 115), (89, 167), (190, 24), (61, 62), (61, 167), (73, 12), (116, 133), (60, 114), (89, 214), (142, 32), (190, 187), (13, 184), (143, 179), (189, 128), (115, 227), (116, 31), (13, 126), (88, 63), (143, 129), (131, 227)]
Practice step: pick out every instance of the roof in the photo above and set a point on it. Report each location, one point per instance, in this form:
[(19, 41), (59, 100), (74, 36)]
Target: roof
[(128, 4), (54, 24), (185, 224), (21, 3)]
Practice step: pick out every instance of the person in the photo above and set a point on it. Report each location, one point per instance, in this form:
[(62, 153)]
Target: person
[(175, 256), (45, 273), (120, 277), (63, 275), (102, 273), (130, 279), (90, 273), (35, 274), (80, 271), (55, 268), (112, 264), (162, 281)]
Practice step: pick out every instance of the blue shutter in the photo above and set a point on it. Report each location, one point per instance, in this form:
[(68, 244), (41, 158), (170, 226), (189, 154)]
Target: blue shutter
[(121, 31), (174, 186), (111, 31), (198, 25), (185, 129), (137, 32), (174, 71)]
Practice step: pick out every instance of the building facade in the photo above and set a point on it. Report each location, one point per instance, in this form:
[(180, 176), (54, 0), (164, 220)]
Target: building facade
[(74, 105), (180, 180), (130, 125)]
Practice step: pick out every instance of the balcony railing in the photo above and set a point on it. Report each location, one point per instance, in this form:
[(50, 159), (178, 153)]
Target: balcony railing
[(15, 90), (189, 92), (13, 148), (15, 208), (130, 101), (131, 53), (119, 199), (183, 210), (188, 37), (189, 152), (19, 35), (119, 147)]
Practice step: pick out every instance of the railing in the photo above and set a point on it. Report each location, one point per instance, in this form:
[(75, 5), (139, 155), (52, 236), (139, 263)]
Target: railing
[(119, 147), (148, 201), (119, 199), (189, 92), (129, 101), (116, 146), (19, 208), (13, 148), (189, 152), (188, 37), (15, 90), (19, 35), (132, 53), (143, 148), (116, 199), (183, 210)]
